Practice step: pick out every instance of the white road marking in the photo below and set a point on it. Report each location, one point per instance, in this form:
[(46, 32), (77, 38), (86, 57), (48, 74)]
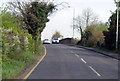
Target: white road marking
[(83, 60), (77, 55), (71, 51), (116, 60), (94, 71)]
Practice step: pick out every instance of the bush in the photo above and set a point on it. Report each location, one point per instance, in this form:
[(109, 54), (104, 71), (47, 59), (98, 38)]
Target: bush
[(74, 41), (18, 49), (93, 35)]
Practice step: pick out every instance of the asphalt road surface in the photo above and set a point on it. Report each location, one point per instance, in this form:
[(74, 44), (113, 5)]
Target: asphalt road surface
[(67, 62)]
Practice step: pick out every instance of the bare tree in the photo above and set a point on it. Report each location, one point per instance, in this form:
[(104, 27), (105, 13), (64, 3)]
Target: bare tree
[(79, 25), (87, 16), (86, 19)]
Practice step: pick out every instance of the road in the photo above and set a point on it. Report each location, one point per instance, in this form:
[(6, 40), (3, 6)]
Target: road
[(67, 62)]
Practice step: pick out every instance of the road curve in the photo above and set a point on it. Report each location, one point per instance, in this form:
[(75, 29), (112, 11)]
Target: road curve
[(67, 62)]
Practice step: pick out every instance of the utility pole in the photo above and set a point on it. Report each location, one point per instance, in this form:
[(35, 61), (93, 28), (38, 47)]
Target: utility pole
[(117, 24), (73, 21)]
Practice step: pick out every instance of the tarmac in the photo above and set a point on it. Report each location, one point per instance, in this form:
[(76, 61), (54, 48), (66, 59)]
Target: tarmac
[(110, 54)]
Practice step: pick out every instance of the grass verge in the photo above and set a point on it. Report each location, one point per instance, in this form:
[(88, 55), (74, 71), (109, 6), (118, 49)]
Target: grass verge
[(11, 68), (103, 49)]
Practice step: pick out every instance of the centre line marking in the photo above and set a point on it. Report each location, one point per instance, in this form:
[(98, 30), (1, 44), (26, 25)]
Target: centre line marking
[(71, 51), (83, 60), (77, 55), (94, 71)]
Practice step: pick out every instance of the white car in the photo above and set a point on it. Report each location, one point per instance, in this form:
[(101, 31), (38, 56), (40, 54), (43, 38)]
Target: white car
[(46, 41), (55, 41)]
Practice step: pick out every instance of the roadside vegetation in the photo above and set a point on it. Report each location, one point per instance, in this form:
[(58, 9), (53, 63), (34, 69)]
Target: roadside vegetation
[(95, 33), (21, 35), (18, 49)]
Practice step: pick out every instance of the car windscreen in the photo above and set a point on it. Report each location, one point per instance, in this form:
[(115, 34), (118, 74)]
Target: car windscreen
[(55, 39), (46, 39)]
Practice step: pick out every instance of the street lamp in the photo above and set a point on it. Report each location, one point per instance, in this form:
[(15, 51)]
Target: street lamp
[(117, 24)]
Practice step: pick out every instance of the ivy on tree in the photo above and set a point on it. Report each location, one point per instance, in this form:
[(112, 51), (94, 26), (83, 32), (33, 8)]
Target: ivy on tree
[(34, 15)]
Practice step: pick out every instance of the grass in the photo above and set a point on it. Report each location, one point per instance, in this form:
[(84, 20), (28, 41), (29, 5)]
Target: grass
[(103, 49), (13, 68), (0, 61), (0, 68), (117, 51)]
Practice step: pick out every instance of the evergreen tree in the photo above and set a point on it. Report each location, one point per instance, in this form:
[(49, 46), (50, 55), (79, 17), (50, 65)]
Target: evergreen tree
[(110, 36)]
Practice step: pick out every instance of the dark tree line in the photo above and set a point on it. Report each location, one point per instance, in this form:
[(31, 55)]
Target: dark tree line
[(110, 36)]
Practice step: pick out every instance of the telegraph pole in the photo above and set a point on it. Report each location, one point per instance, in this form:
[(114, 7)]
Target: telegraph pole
[(117, 24), (73, 21)]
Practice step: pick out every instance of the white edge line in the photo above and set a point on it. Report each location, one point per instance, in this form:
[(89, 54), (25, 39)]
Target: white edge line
[(94, 71), (76, 55), (83, 60)]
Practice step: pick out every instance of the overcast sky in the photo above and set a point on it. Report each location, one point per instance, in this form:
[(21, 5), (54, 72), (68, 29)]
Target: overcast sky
[(62, 20)]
